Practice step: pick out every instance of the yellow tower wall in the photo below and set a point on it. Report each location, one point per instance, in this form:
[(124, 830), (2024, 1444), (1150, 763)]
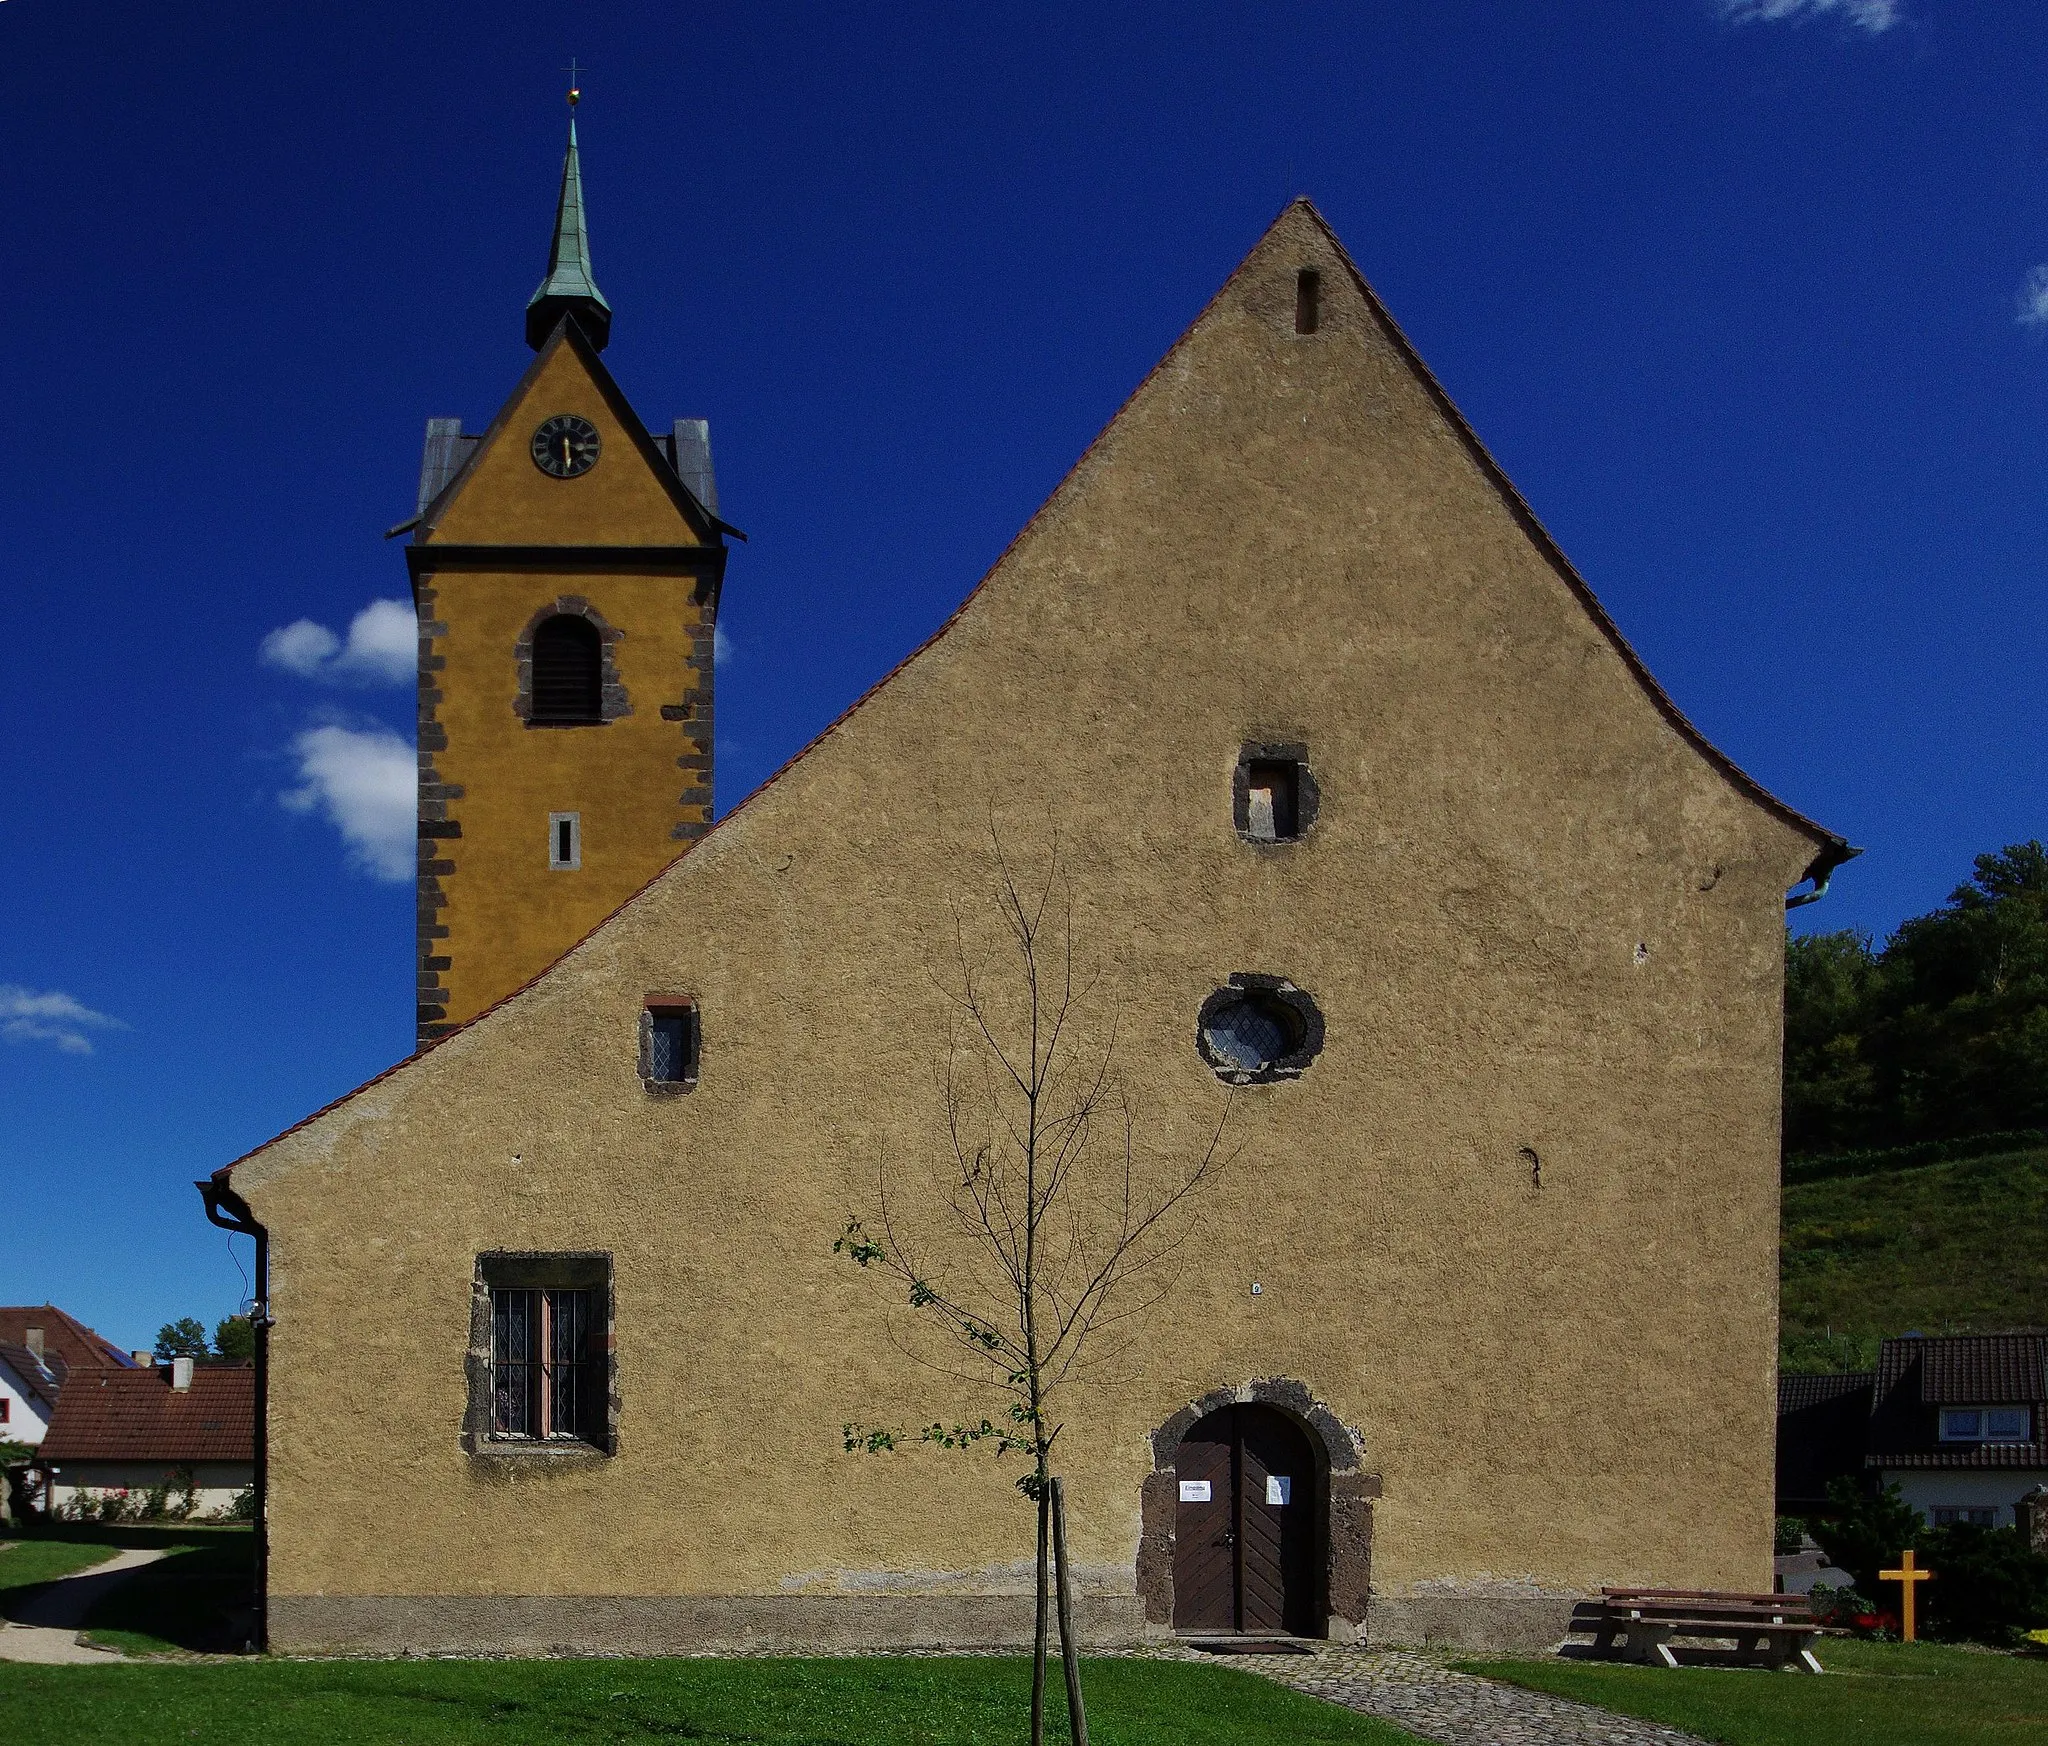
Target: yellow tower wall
[(506, 546)]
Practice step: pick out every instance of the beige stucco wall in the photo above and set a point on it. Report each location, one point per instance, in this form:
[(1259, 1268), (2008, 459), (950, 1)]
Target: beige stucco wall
[(1532, 913)]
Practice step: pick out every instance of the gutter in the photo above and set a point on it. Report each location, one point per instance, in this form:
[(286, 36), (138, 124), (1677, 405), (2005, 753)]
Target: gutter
[(1821, 874), (227, 1209)]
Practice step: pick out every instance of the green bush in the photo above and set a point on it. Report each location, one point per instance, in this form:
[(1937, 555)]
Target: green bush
[(1988, 1586), (1867, 1531), (1790, 1535)]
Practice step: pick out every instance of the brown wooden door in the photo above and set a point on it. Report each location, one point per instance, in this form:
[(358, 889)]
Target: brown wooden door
[(1245, 1526)]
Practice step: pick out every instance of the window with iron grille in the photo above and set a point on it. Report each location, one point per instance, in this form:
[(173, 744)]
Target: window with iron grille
[(669, 1038), (541, 1353), (568, 672)]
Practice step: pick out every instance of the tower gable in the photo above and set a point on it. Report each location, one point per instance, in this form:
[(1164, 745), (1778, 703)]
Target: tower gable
[(633, 496)]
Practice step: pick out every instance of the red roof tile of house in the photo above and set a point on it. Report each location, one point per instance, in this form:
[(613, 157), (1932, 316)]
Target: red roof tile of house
[(136, 1415), (68, 1344)]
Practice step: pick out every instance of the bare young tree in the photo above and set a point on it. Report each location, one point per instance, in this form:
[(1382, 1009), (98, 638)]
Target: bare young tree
[(1041, 1228)]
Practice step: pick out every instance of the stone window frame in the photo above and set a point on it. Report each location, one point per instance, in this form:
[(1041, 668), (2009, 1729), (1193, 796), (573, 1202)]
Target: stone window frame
[(612, 699), (574, 861), (589, 1269), (650, 1007), (1297, 1000), (1308, 796), (1347, 1492)]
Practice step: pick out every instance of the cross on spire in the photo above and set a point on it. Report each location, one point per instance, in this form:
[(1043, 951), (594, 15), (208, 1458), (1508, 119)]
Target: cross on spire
[(575, 72)]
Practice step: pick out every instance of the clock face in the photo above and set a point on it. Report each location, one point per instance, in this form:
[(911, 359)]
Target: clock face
[(565, 446)]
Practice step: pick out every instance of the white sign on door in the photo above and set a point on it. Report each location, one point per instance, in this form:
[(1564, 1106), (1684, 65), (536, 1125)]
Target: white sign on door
[(1194, 1491), (1279, 1488)]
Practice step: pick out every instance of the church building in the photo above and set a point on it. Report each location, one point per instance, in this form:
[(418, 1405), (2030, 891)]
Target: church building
[(1378, 847)]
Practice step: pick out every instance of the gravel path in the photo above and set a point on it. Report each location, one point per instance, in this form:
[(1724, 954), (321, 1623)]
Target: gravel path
[(1418, 1692)]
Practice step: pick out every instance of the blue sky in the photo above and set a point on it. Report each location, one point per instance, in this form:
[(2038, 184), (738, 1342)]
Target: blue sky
[(1750, 299)]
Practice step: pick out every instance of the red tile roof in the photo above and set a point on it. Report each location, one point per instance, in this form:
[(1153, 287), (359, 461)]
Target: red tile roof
[(68, 1344), (135, 1415)]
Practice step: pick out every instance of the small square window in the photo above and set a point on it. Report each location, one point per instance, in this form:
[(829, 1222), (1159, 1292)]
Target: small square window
[(2007, 1425), (1272, 802), (565, 841), (1274, 798), (669, 1043), (6, 1409)]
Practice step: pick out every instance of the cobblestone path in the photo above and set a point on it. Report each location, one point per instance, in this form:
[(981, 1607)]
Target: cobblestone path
[(1418, 1692)]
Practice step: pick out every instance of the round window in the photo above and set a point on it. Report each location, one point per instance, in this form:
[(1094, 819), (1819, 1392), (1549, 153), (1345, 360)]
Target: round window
[(1259, 1029)]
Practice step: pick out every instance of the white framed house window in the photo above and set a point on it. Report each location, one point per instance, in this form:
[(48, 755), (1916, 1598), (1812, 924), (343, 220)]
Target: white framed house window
[(1986, 1424), (565, 841), (1975, 1515)]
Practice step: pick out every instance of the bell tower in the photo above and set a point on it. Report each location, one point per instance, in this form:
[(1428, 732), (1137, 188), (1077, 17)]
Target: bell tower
[(566, 563)]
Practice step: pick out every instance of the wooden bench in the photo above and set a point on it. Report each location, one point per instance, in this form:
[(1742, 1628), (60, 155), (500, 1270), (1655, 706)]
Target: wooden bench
[(1638, 1624)]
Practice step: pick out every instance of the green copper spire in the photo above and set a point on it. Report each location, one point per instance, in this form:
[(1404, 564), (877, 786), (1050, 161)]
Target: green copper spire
[(569, 288)]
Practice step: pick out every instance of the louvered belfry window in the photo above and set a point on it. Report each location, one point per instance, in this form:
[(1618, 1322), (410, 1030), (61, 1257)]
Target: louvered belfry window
[(548, 1372), (568, 672)]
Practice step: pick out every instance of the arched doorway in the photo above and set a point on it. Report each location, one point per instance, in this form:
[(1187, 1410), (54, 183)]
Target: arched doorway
[(1247, 1526)]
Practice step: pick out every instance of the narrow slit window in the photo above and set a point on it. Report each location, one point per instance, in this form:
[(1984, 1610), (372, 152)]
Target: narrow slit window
[(1308, 300), (565, 841)]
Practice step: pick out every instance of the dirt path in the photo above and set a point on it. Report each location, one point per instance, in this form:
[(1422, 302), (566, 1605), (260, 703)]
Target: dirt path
[(43, 1625)]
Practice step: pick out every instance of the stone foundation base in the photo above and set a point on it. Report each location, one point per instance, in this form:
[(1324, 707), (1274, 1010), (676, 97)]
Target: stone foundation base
[(1467, 1622), (610, 1624)]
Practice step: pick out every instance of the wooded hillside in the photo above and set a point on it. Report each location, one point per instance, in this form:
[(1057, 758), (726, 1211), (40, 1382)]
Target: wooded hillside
[(1916, 1099)]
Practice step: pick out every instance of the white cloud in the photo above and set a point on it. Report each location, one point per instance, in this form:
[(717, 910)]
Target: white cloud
[(29, 1017), (2034, 298), (301, 647), (364, 781), (1875, 16), (721, 646), (382, 647)]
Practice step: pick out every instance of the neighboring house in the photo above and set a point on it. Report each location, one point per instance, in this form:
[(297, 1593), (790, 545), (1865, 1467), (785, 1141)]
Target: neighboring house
[(60, 1343), (28, 1395), (1957, 1424), (1375, 825), (129, 1430), (1955, 1421), (1823, 1426)]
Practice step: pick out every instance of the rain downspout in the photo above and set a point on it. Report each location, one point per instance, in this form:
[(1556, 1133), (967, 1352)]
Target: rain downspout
[(227, 1209)]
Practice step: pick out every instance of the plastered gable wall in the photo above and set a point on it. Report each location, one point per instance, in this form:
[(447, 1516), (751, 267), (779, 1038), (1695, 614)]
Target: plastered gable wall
[(640, 784), (505, 500), (1280, 537)]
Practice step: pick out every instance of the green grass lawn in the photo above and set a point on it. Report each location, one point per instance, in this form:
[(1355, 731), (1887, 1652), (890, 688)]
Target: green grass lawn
[(959, 1701), (1873, 1694), (1942, 1248), (25, 1564)]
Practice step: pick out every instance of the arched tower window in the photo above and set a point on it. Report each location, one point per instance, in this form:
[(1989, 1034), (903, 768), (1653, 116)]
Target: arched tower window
[(568, 671)]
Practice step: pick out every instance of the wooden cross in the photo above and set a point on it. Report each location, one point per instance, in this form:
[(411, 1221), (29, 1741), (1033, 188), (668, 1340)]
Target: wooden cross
[(1908, 1579)]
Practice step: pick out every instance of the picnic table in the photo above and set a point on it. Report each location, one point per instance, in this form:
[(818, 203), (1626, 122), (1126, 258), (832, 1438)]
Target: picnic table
[(1638, 1624)]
